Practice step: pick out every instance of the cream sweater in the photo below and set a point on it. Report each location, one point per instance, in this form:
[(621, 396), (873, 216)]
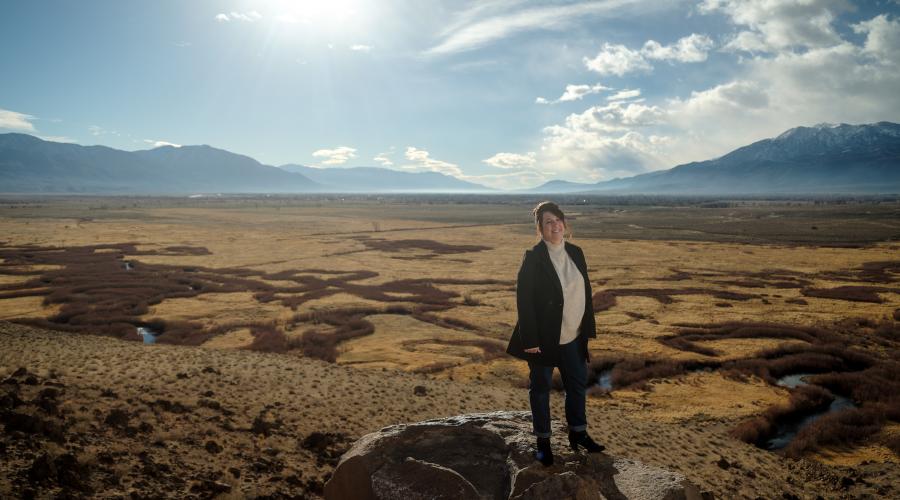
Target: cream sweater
[(573, 291)]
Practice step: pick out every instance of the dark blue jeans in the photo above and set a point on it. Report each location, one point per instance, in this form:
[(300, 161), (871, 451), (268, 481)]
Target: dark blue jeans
[(573, 370)]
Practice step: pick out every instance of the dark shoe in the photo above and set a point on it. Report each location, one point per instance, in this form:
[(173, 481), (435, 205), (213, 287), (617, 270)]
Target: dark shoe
[(582, 439), (544, 453)]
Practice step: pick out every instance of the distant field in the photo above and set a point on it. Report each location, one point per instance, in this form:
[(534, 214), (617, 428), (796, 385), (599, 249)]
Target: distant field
[(722, 295)]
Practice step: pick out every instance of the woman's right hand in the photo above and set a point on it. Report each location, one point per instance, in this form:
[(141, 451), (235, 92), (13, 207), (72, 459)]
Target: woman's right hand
[(533, 350)]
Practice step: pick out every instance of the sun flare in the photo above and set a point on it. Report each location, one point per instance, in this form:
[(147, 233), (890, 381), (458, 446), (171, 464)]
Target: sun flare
[(332, 13)]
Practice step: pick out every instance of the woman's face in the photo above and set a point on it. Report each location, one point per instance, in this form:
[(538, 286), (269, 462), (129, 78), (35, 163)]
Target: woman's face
[(552, 228)]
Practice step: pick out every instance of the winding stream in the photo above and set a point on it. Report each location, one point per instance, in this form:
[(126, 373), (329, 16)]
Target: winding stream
[(787, 431)]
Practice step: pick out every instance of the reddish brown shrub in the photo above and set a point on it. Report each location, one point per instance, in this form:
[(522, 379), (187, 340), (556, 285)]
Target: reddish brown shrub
[(850, 293), (843, 427), (435, 247), (267, 338), (880, 383), (803, 400), (603, 301)]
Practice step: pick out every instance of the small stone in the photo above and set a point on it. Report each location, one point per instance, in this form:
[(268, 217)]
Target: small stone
[(420, 390)]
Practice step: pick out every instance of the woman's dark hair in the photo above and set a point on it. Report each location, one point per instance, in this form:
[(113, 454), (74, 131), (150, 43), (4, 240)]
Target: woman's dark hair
[(544, 207)]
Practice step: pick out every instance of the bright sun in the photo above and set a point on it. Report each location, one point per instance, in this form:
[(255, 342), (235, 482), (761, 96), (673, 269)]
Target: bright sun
[(321, 13)]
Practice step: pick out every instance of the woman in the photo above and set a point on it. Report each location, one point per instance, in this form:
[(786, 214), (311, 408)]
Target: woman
[(556, 319)]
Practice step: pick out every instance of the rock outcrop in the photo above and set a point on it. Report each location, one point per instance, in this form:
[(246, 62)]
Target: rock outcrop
[(489, 456)]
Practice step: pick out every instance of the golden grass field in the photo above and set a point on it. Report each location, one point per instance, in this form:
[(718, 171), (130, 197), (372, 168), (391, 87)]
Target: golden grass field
[(465, 258)]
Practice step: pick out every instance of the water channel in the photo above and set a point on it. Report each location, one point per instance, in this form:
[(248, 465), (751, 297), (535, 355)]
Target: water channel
[(787, 431), (148, 334)]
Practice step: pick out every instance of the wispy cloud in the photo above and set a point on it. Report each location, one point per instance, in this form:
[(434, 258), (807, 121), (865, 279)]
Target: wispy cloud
[(97, 130), (471, 30), (619, 59), (336, 156), (361, 48), (248, 17), (574, 93), (159, 144), (14, 120), (624, 94), (384, 159), (690, 49), (57, 138), (423, 162), (511, 160)]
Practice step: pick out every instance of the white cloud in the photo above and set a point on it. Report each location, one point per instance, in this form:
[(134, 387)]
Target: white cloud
[(624, 94), (511, 160), (422, 162), (159, 144), (575, 152), (336, 156), (384, 159), (617, 60), (97, 131), (57, 138), (248, 17), (882, 38), (789, 79), (781, 24), (475, 28), (729, 97), (601, 143), (616, 116), (690, 49), (574, 93), (16, 121), (361, 48)]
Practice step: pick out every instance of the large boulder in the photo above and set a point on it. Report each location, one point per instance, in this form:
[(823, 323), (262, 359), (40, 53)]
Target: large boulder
[(489, 456)]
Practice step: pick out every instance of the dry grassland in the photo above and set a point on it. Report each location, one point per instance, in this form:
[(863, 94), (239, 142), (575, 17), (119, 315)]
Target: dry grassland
[(399, 295)]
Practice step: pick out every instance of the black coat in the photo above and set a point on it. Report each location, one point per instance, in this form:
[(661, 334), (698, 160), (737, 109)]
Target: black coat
[(539, 300)]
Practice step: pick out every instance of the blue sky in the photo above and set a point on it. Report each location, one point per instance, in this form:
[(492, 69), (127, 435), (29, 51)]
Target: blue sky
[(504, 93)]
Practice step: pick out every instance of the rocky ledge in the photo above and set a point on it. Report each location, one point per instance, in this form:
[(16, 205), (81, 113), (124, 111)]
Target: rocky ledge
[(489, 456)]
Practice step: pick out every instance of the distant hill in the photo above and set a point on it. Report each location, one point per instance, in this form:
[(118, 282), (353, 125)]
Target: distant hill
[(804, 160), (376, 179), (31, 165)]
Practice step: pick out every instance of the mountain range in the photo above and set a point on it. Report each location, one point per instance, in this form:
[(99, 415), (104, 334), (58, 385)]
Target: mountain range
[(804, 160)]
